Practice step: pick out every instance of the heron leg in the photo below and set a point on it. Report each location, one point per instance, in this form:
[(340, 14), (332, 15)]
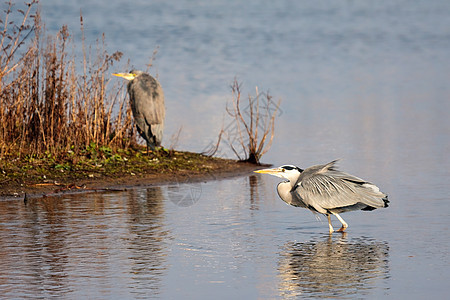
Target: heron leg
[(150, 148), (329, 223), (344, 224)]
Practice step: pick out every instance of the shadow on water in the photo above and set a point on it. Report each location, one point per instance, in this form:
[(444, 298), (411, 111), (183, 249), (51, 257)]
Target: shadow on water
[(332, 267), (148, 238), (33, 249), (254, 184), (94, 245)]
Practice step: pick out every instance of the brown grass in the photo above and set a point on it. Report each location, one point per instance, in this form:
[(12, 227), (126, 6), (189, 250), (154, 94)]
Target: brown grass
[(46, 107)]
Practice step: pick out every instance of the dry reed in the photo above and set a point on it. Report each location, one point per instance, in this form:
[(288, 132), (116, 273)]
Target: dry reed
[(46, 108)]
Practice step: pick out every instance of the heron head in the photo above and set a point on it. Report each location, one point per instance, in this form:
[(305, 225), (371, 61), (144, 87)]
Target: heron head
[(127, 76), (288, 172)]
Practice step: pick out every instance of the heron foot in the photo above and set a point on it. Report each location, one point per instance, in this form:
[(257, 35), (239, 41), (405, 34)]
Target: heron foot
[(344, 224), (342, 229)]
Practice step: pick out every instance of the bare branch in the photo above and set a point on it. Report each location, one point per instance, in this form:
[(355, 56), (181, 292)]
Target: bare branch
[(252, 126)]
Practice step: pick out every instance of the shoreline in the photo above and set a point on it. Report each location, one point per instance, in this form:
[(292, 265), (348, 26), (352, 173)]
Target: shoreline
[(221, 169)]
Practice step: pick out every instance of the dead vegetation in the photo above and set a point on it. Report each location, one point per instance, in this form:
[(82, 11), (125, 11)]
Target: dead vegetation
[(251, 130), (46, 107)]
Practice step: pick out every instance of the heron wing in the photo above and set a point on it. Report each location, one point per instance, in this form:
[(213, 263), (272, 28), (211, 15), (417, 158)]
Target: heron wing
[(324, 189), (147, 99)]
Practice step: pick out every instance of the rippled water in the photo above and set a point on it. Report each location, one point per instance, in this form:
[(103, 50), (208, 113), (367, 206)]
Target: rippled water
[(221, 239), (229, 239), (363, 81)]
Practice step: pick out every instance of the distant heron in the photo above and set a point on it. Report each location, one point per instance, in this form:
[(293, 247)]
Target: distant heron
[(147, 104), (326, 190)]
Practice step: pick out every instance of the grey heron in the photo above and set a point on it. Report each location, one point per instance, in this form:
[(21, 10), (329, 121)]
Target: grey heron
[(326, 190), (147, 104)]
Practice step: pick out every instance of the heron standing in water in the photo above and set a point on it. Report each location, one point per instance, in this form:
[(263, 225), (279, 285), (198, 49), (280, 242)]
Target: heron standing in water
[(326, 190), (147, 104)]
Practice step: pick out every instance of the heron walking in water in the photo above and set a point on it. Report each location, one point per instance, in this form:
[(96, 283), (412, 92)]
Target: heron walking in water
[(326, 190), (147, 104)]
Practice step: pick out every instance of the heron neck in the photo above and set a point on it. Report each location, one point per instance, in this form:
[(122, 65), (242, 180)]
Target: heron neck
[(284, 191)]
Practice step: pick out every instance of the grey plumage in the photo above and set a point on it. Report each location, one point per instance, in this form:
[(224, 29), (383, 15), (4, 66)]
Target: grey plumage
[(326, 190), (147, 104)]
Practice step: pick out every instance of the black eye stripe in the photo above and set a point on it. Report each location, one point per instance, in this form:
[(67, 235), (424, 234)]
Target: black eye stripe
[(288, 167)]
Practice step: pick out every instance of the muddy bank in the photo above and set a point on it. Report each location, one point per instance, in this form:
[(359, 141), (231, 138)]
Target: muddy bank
[(180, 167)]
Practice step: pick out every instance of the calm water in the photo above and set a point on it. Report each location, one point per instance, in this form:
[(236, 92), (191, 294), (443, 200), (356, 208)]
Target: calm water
[(365, 82)]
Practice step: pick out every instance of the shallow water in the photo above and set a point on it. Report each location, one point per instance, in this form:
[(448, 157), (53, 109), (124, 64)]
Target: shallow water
[(365, 82), (222, 239)]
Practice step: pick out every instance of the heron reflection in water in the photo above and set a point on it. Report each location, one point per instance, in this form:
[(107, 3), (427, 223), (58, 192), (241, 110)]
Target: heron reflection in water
[(147, 104), (332, 267), (326, 190)]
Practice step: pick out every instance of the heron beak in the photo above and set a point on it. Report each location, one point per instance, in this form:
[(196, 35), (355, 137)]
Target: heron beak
[(275, 171), (127, 76)]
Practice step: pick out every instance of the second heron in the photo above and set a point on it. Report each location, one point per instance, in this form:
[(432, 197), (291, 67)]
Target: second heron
[(147, 104)]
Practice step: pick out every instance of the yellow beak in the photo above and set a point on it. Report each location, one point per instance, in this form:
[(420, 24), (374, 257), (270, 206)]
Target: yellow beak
[(127, 76), (274, 171)]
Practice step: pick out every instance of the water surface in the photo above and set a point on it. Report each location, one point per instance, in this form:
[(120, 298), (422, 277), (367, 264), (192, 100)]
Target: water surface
[(229, 238)]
